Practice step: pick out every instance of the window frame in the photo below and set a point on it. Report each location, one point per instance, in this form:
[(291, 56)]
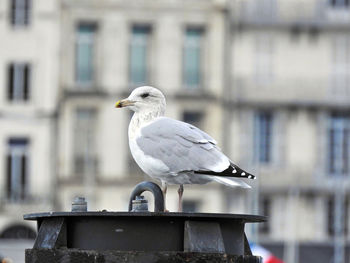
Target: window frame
[(191, 206), (330, 213), (265, 209), (19, 147), (21, 13), (268, 137), (340, 76), (89, 156), (83, 39), (187, 43), (200, 115), (147, 45), (338, 122), (19, 82), (339, 3)]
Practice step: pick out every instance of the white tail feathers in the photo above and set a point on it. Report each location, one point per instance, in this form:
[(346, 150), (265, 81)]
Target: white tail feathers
[(229, 181)]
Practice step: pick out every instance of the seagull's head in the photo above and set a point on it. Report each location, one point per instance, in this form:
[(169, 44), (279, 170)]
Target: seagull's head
[(145, 98)]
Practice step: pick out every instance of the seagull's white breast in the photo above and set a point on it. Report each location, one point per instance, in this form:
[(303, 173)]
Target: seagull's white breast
[(151, 166)]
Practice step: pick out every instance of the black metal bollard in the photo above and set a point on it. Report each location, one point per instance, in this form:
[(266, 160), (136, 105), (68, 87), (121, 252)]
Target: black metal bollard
[(154, 189), (140, 236)]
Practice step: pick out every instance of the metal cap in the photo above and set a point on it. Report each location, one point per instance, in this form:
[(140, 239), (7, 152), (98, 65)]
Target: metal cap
[(79, 204), (140, 204), (151, 187)]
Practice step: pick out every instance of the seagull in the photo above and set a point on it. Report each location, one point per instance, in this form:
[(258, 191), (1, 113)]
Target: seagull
[(173, 151)]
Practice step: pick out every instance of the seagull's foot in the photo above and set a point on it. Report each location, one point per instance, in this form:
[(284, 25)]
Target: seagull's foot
[(180, 191), (164, 190)]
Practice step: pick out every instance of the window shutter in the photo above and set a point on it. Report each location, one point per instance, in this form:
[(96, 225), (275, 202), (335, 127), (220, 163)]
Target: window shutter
[(10, 82), (23, 175), (26, 84), (8, 175), (27, 8), (13, 12)]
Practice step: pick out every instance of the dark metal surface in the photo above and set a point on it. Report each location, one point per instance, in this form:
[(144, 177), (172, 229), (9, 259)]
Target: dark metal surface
[(203, 237), (154, 189), (140, 235), (143, 231), (247, 250), (200, 216), (52, 233), (92, 256), (126, 234)]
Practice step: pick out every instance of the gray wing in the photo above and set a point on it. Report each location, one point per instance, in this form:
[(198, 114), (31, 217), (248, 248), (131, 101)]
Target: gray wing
[(181, 147)]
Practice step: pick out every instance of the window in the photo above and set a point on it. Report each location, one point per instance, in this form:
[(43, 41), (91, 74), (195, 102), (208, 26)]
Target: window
[(190, 206), (17, 169), (264, 59), (18, 82), (266, 8), (339, 144), (192, 60), (341, 66), (85, 154), (265, 210), (85, 55), (339, 3), (18, 232), (20, 12), (194, 118), (263, 126), (333, 213), (139, 54)]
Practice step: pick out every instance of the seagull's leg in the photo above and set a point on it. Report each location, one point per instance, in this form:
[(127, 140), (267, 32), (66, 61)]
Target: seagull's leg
[(180, 192), (164, 190)]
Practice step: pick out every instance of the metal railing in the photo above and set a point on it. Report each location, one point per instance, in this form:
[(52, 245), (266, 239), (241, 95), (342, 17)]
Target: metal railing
[(300, 90), (274, 12)]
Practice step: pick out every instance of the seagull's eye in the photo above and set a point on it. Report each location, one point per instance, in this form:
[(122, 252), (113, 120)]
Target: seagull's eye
[(144, 95)]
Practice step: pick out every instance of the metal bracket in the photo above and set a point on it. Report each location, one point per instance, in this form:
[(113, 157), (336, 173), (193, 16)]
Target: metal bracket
[(154, 189), (52, 234), (247, 250), (203, 237)]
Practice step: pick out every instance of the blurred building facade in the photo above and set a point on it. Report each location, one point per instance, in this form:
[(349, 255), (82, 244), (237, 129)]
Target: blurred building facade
[(268, 79), (289, 105), (29, 33), (108, 49)]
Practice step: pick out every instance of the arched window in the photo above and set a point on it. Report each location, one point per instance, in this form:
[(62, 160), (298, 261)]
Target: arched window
[(18, 232)]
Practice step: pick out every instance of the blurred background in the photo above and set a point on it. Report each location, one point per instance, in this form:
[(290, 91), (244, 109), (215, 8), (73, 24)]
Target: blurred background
[(268, 79)]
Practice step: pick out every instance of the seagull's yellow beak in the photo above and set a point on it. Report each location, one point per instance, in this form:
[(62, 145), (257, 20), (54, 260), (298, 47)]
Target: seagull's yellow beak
[(123, 103)]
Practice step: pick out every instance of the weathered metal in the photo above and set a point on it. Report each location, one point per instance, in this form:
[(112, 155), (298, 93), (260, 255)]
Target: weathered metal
[(52, 233), (93, 256), (79, 204), (203, 237), (142, 231), (154, 189), (141, 236), (140, 204)]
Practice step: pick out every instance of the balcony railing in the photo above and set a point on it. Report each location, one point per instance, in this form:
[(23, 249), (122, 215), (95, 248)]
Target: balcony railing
[(274, 12), (291, 90)]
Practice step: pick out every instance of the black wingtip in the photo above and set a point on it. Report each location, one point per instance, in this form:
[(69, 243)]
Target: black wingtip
[(232, 171), (238, 172)]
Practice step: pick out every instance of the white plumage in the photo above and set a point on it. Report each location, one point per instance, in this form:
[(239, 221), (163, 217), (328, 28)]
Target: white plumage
[(172, 151)]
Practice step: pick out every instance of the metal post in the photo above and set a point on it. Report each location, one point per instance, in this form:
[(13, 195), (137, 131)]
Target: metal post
[(79, 204)]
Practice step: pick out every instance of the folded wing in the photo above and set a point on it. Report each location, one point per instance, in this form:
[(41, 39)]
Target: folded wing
[(184, 148)]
